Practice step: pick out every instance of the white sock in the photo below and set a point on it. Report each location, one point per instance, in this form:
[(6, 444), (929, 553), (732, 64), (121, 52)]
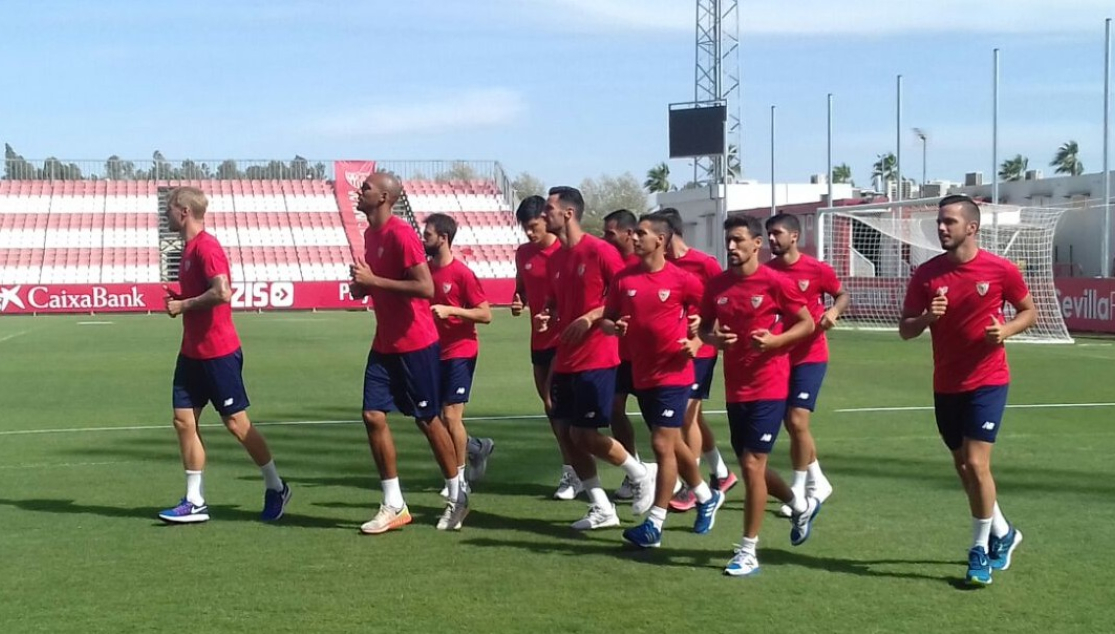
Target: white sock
[(454, 486), (461, 474), (816, 476), (657, 516), (999, 524), (596, 494), (633, 468), (716, 463), (749, 544), (798, 503), (193, 488), (702, 492), (798, 485), (981, 531), (271, 477), (392, 494)]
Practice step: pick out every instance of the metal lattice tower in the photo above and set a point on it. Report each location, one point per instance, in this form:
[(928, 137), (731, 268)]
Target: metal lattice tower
[(717, 77)]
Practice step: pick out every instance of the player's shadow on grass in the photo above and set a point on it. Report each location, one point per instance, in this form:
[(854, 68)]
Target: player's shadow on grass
[(859, 568), (217, 513), (581, 545)]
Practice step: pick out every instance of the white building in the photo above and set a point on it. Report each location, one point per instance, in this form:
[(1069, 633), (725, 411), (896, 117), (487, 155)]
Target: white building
[(698, 207), (1078, 244)]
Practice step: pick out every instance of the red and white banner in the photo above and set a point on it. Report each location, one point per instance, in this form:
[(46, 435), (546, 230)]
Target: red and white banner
[(350, 177), (1087, 304), (37, 299)]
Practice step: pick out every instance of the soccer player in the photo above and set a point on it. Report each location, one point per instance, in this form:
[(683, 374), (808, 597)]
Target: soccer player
[(403, 370), (210, 362), (532, 286), (459, 304), (808, 359), (619, 231), (648, 305), (959, 296), (745, 312), (698, 434), (583, 385)]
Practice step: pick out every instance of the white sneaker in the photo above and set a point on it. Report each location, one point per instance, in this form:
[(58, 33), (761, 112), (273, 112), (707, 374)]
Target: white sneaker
[(742, 564), (625, 490), (785, 511), (597, 517), (478, 454), (453, 515), (569, 486), (643, 488)]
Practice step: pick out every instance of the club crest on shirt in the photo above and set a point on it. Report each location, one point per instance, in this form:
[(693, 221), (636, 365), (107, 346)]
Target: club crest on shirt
[(379, 252), (722, 301), (581, 270), (803, 284), (982, 288), (528, 266), (631, 292), (756, 301), (663, 294), (445, 287), (186, 265), (942, 291)]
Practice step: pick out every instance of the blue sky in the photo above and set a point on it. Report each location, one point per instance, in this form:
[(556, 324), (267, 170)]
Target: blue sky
[(561, 88)]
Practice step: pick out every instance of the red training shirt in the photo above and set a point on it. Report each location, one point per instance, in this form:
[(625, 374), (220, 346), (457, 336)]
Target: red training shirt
[(765, 299), (532, 262), (579, 278), (656, 305), (814, 279), (962, 359), (456, 285), (208, 333), (704, 267), (403, 322)]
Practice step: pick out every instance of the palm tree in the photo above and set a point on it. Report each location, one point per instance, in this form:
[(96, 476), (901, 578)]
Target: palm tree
[(1014, 169), (1067, 159), (658, 179), (885, 168), (842, 174)]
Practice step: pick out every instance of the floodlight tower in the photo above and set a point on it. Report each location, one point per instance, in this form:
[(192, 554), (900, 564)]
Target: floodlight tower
[(717, 81)]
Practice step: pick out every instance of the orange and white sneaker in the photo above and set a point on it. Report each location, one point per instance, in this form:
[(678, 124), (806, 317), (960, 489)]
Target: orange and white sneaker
[(387, 519)]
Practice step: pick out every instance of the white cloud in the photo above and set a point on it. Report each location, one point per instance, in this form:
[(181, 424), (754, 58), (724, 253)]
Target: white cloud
[(465, 110), (865, 18)]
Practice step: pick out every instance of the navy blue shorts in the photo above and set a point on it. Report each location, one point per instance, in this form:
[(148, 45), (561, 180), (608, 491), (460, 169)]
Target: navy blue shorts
[(805, 384), (409, 382), (583, 399), (218, 381), (544, 358), (625, 381), (663, 406), (977, 414), (755, 424), (456, 380), (703, 371)]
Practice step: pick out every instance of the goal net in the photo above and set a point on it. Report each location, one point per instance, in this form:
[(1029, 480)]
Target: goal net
[(875, 248)]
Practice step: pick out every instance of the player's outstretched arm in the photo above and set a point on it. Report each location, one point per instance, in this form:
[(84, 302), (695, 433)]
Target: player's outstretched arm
[(840, 303), (418, 283), (481, 314)]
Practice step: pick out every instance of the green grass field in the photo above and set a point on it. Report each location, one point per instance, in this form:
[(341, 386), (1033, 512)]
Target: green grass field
[(87, 458)]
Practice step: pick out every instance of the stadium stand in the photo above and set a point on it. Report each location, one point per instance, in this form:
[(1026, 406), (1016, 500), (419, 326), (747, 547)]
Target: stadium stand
[(103, 231)]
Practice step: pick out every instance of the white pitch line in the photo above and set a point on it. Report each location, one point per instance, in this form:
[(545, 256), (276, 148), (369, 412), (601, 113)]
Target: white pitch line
[(78, 430), (52, 465), (94, 323), (13, 335), (921, 408)]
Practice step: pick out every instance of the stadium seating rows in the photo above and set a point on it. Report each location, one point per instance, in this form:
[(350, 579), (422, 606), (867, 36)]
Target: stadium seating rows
[(290, 230)]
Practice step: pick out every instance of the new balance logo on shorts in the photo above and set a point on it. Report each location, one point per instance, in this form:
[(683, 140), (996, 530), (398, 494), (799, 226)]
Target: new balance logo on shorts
[(765, 438), (423, 403), (460, 390), (229, 401), (667, 413), (804, 396), (988, 426)]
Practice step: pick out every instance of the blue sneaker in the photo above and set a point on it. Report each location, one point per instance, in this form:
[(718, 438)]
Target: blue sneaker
[(644, 535), (274, 503), (1000, 549), (979, 567), (742, 564), (185, 513), (801, 526), (706, 513)]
